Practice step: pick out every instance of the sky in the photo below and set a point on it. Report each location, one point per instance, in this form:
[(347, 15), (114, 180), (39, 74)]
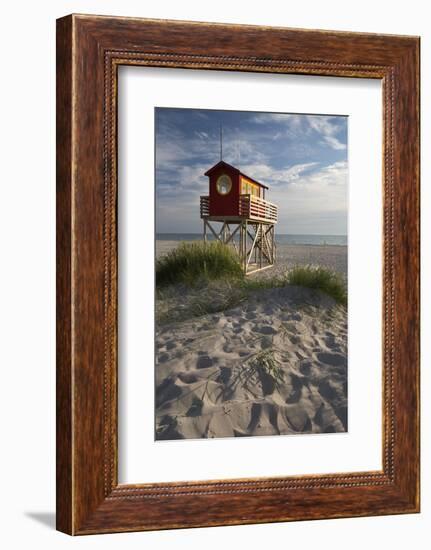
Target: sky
[(301, 158)]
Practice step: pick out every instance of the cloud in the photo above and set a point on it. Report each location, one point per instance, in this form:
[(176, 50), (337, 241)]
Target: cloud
[(291, 119), (334, 143), (294, 173), (310, 200), (186, 180), (332, 175), (327, 128), (316, 203), (296, 126), (302, 159), (269, 175)]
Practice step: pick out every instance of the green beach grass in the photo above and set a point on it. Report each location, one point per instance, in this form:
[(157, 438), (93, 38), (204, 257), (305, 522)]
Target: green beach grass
[(319, 278), (193, 263)]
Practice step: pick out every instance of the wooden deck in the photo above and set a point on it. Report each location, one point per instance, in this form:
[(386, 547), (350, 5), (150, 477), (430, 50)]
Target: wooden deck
[(249, 208)]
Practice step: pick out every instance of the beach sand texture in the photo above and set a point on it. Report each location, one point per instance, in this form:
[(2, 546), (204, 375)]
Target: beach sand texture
[(273, 363)]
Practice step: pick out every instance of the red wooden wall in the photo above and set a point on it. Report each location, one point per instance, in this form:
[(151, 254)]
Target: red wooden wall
[(224, 205)]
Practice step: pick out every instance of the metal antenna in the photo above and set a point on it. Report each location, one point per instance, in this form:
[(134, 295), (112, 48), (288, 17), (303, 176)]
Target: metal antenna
[(221, 142)]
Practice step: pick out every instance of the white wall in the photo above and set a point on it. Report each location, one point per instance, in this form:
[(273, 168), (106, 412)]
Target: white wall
[(27, 217)]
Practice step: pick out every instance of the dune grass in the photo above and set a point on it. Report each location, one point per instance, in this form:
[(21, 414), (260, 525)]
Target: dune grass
[(265, 362), (316, 278), (191, 263), (198, 262), (319, 278)]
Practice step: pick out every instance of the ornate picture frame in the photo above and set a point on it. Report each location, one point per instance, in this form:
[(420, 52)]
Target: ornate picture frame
[(89, 51)]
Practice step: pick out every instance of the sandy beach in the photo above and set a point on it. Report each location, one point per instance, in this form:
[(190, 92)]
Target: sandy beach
[(267, 362)]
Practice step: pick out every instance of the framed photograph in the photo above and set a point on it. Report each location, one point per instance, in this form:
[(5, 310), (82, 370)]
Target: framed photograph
[(237, 274)]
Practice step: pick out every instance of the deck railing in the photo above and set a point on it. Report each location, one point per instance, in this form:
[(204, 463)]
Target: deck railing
[(250, 207), (205, 206), (255, 208)]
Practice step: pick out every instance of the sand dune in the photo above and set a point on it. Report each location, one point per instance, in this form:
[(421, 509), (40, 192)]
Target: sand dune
[(275, 363)]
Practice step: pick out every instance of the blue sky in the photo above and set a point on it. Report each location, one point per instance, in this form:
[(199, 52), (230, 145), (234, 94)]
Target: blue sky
[(301, 158)]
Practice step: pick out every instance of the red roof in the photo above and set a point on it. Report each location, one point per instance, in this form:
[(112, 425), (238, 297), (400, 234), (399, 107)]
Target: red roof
[(232, 168)]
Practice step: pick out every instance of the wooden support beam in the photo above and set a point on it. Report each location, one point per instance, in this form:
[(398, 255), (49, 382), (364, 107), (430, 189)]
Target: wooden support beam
[(213, 232), (269, 258), (252, 248), (262, 238)]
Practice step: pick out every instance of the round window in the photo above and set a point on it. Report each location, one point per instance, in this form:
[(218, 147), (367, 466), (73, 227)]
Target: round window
[(224, 184)]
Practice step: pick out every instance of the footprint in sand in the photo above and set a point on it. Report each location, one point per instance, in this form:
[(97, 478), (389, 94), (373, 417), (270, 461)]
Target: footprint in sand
[(204, 362), (296, 393), (188, 377), (266, 342), (286, 316), (170, 344), (257, 416), (267, 381), (305, 367), (241, 321), (318, 416), (330, 341), (166, 391), (196, 407), (291, 327), (298, 418), (266, 329), (314, 328), (333, 359), (167, 428), (225, 375), (204, 327), (327, 391)]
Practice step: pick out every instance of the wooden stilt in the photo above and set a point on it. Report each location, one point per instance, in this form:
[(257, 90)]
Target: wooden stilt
[(254, 242)]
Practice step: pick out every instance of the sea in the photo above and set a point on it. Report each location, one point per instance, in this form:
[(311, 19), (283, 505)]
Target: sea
[(280, 238)]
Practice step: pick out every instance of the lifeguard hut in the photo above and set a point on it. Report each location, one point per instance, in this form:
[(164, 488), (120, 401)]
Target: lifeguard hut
[(238, 202)]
